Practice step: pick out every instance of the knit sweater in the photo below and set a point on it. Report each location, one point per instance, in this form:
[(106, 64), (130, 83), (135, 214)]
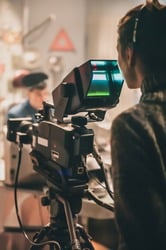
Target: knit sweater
[(138, 151)]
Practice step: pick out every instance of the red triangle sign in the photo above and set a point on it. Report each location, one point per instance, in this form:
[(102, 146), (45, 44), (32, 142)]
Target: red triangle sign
[(62, 42)]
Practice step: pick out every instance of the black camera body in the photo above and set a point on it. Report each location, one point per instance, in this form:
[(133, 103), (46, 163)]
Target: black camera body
[(60, 139), (63, 144), (59, 151)]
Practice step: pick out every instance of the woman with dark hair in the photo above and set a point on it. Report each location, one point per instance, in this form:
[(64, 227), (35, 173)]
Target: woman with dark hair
[(138, 135)]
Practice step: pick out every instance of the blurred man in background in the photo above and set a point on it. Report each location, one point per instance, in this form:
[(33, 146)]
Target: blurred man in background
[(36, 87), (31, 211), (37, 92)]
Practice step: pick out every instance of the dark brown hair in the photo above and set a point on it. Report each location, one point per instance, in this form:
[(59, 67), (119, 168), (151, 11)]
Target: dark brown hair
[(149, 24)]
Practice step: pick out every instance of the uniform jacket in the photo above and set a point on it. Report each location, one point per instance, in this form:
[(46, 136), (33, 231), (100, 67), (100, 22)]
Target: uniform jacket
[(23, 109)]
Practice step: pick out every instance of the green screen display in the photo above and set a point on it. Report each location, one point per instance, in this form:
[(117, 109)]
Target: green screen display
[(105, 74), (100, 84)]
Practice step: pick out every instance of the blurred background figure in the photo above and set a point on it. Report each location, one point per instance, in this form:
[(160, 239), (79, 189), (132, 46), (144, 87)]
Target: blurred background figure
[(37, 92), (36, 89)]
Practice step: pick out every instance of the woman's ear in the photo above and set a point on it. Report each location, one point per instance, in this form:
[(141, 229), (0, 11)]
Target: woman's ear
[(130, 56)]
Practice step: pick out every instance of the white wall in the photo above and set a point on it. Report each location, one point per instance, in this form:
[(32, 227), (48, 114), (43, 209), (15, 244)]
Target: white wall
[(70, 16)]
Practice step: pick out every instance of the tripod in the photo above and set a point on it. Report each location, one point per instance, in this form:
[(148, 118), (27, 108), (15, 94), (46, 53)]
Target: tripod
[(63, 232), (59, 155)]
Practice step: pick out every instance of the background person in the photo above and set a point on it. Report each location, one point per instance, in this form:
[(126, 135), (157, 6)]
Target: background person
[(36, 87), (138, 135), (30, 183), (37, 92)]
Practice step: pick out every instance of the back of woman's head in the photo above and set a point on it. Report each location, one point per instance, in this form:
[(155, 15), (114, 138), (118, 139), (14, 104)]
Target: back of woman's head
[(144, 29)]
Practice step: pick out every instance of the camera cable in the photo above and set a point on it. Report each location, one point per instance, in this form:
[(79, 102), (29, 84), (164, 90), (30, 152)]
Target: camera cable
[(20, 146), (99, 160), (92, 196)]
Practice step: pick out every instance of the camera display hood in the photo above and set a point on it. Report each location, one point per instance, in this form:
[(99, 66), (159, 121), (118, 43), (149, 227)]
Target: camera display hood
[(95, 85)]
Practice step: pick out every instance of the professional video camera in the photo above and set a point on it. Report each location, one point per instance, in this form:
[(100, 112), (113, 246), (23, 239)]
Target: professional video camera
[(61, 141)]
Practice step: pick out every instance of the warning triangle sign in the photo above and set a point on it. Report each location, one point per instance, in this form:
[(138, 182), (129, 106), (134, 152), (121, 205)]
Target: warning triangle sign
[(62, 42)]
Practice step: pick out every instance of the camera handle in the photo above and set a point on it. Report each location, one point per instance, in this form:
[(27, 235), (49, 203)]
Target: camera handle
[(62, 233)]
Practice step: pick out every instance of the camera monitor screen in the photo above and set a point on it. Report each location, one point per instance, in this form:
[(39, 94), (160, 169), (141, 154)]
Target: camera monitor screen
[(104, 73), (102, 82), (99, 84), (96, 84)]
